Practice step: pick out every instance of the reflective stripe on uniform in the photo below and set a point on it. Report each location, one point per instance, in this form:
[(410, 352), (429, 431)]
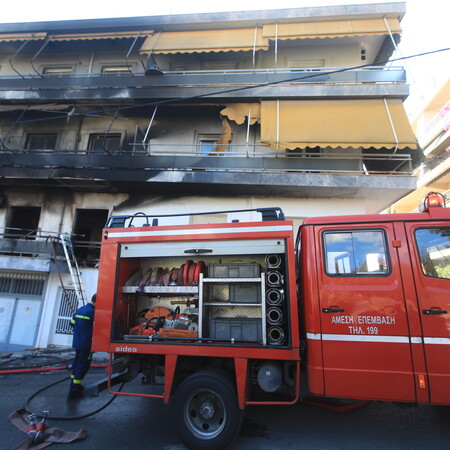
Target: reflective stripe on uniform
[(75, 381), (82, 317)]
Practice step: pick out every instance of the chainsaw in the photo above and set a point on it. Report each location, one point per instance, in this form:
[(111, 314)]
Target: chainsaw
[(166, 322)]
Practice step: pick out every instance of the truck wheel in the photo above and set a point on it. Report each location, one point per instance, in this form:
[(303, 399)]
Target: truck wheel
[(205, 411)]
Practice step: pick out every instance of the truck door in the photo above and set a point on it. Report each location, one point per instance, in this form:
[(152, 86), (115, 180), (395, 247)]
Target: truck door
[(430, 248), (364, 328)]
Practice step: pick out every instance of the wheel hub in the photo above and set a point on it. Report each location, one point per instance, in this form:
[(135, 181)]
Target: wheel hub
[(207, 410)]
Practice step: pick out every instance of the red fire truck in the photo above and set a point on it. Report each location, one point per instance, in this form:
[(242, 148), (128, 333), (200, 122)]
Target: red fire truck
[(222, 316)]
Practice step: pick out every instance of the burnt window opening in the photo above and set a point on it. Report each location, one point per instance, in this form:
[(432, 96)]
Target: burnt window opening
[(23, 222), (99, 143), (87, 237), (41, 141)]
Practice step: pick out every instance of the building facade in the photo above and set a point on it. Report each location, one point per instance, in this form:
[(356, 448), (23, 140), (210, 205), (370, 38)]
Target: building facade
[(431, 123), (295, 108)]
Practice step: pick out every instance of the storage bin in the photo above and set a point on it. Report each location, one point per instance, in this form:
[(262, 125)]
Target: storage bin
[(241, 329), (233, 292), (251, 270)]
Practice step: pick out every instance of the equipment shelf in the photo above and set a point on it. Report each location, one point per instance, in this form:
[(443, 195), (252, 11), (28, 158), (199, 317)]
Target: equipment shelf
[(173, 290)]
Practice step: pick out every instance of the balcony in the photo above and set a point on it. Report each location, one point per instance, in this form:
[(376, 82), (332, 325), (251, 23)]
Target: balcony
[(41, 251), (247, 170), (367, 82), (31, 250)]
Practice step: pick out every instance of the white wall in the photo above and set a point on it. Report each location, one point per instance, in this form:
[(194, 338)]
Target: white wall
[(52, 298)]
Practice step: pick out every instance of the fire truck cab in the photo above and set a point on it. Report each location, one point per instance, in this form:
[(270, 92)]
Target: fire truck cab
[(220, 316)]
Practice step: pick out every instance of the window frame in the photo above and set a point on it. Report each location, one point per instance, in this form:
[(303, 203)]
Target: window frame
[(418, 249), (93, 137), (29, 137), (206, 138), (56, 67), (115, 69), (388, 258)]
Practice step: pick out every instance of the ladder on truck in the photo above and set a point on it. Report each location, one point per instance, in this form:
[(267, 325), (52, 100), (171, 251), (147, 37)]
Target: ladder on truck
[(72, 264)]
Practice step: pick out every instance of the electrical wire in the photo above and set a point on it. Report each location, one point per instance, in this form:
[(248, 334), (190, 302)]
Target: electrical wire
[(229, 90)]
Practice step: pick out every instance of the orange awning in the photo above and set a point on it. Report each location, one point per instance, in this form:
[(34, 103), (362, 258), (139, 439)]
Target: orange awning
[(290, 124), (239, 112), (246, 39), (341, 28)]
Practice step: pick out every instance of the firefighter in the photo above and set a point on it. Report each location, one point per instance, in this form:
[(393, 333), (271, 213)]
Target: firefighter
[(82, 323)]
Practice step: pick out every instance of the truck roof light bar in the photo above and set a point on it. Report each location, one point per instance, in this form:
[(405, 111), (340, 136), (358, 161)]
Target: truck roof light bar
[(267, 214)]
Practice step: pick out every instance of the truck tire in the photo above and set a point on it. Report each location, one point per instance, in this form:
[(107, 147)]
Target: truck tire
[(205, 412)]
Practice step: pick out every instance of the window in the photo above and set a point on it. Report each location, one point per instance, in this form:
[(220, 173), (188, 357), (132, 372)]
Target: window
[(99, 142), (355, 253), (67, 306), (434, 251), (116, 68), (206, 145), (88, 228), (57, 70), (41, 141), (23, 222)]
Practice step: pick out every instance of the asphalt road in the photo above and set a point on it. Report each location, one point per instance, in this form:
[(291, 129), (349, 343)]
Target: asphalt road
[(137, 423)]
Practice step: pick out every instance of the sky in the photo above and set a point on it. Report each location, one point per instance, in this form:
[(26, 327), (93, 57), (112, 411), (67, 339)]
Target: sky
[(425, 25)]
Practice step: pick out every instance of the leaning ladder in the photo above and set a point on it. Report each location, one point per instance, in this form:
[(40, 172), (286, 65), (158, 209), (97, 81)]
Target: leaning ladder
[(72, 264)]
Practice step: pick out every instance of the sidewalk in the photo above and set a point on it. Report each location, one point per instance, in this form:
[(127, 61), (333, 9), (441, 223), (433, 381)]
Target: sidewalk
[(43, 357)]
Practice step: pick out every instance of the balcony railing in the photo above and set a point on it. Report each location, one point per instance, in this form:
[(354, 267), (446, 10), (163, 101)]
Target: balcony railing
[(374, 74), (237, 158)]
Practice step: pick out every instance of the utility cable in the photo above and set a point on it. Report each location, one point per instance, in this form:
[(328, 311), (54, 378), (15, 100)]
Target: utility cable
[(230, 90)]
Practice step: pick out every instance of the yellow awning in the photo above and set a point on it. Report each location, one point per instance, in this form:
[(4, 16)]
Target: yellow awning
[(9, 37), (72, 37), (94, 36), (205, 41), (290, 124), (239, 112), (342, 28)]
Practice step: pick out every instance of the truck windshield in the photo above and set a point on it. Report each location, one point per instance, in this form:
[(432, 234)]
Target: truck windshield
[(434, 250)]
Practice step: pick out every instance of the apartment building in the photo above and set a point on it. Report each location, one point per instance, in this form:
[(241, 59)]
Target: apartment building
[(295, 108), (431, 123)]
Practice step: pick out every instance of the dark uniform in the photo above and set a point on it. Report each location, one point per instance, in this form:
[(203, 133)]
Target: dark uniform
[(83, 323)]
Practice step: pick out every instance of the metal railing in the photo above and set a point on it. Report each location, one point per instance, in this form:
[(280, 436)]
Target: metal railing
[(234, 158), (375, 74), (26, 242)]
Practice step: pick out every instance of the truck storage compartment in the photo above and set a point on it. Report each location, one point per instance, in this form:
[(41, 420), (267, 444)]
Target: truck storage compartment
[(238, 328)]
